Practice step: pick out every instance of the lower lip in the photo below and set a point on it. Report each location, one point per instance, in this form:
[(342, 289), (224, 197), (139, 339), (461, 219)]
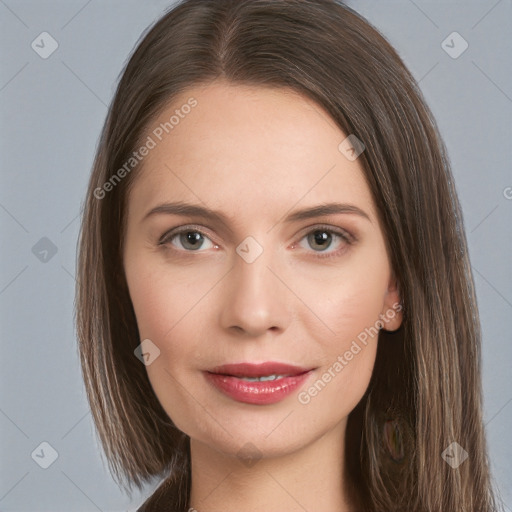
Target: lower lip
[(262, 393)]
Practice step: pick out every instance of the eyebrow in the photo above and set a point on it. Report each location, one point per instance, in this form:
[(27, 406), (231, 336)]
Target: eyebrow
[(192, 210)]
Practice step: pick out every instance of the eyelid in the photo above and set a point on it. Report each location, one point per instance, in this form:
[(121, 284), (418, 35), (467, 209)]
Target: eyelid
[(344, 233), (171, 233)]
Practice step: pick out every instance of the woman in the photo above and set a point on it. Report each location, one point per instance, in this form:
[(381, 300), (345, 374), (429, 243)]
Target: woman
[(275, 307)]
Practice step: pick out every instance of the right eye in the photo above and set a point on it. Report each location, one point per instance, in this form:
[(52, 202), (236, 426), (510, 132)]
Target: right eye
[(190, 239)]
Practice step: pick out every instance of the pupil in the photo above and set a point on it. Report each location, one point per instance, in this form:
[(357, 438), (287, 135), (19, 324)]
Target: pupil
[(320, 237), (192, 238)]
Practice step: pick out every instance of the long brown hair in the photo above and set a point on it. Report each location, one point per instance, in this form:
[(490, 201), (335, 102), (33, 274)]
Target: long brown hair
[(425, 393)]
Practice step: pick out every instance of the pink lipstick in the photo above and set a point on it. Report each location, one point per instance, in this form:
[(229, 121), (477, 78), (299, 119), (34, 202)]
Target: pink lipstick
[(262, 384)]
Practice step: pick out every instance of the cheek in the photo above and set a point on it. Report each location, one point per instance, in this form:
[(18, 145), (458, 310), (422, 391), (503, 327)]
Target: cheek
[(350, 299), (164, 307), (348, 353), (350, 304), (339, 386), (171, 310), (161, 298), (355, 311)]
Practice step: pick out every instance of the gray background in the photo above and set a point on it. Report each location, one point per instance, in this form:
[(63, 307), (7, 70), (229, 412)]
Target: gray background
[(52, 111)]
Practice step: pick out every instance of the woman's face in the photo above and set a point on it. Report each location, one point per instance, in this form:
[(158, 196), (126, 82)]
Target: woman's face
[(257, 282)]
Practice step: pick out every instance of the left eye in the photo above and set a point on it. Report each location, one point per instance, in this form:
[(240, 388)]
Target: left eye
[(322, 238)]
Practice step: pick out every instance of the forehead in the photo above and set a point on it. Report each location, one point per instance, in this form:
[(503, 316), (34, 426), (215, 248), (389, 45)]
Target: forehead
[(257, 146)]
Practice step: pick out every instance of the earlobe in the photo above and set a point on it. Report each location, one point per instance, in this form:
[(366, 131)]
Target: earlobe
[(392, 312), (392, 317)]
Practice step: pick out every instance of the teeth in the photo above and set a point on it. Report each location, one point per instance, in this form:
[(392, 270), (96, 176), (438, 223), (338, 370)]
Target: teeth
[(262, 379)]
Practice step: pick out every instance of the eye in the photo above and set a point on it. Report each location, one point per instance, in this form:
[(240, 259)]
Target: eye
[(321, 238), (190, 238)]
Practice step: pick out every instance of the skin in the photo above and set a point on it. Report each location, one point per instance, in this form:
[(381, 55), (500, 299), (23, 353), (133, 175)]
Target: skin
[(256, 154)]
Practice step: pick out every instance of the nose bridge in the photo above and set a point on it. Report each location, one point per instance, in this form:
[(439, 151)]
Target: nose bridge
[(255, 299)]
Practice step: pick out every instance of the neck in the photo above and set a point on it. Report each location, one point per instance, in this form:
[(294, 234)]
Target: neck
[(311, 478)]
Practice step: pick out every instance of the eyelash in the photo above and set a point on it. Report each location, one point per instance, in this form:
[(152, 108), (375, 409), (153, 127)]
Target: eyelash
[(344, 235)]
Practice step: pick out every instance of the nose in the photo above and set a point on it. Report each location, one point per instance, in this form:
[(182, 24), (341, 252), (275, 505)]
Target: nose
[(254, 299)]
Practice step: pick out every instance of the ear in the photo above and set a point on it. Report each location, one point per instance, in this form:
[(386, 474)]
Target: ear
[(392, 311)]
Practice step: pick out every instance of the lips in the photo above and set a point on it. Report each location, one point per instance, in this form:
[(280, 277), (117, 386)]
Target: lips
[(231, 380), (258, 370)]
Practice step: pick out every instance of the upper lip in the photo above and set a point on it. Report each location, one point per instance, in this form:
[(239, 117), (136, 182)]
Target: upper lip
[(258, 370)]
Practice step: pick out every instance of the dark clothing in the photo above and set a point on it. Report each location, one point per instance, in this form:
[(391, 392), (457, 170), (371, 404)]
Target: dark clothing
[(166, 498)]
